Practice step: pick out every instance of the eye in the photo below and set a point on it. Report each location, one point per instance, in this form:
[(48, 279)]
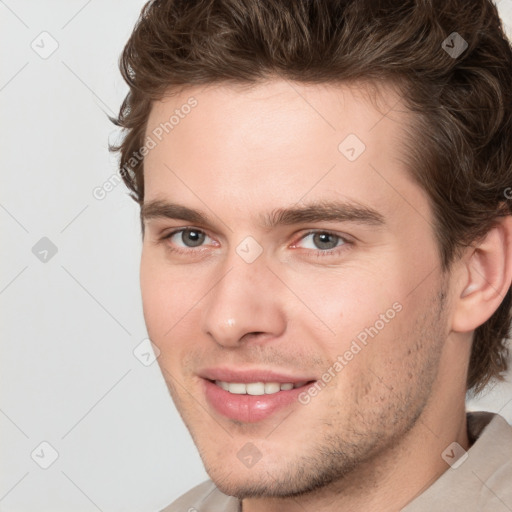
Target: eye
[(321, 240), (187, 237)]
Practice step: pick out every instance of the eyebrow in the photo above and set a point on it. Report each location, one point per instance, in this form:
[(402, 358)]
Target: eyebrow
[(163, 209), (336, 211), (325, 211)]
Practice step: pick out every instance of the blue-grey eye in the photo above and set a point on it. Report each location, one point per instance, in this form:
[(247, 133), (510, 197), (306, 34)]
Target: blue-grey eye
[(192, 237), (321, 240), (324, 240)]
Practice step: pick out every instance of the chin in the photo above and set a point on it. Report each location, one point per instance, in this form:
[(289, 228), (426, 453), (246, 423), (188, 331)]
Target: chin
[(277, 478)]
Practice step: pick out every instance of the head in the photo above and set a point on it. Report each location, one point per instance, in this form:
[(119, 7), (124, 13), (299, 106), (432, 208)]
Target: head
[(323, 192)]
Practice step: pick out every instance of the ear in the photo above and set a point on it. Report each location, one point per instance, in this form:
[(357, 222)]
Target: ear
[(486, 277)]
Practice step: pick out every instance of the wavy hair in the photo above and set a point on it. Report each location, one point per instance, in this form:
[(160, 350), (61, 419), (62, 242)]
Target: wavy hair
[(459, 149)]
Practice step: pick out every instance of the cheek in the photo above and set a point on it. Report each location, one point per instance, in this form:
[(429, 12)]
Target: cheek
[(154, 302), (347, 301), (373, 314), (171, 300), (164, 297)]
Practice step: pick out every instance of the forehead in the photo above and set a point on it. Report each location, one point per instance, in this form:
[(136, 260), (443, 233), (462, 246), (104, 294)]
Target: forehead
[(278, 142)]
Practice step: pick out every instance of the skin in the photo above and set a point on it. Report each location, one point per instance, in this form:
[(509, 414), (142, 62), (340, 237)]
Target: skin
[(372, 438)]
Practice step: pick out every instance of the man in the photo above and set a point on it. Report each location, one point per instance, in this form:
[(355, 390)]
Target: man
[(327, 245)]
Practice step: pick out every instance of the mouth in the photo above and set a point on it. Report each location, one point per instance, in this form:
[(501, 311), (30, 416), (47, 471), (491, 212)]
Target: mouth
[(252, 396)]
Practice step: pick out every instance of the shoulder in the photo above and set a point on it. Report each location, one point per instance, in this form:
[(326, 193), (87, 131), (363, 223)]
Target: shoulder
[(495, 468), (205, 497), (481, 481)]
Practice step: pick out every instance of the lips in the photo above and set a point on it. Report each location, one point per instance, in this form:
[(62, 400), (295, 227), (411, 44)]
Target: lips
[(251, 395)]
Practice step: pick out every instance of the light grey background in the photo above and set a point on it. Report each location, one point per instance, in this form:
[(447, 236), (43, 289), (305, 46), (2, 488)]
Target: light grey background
[(71, 320)]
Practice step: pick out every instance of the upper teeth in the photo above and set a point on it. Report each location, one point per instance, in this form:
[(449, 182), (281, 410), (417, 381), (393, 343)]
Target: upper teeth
[(256, 388)]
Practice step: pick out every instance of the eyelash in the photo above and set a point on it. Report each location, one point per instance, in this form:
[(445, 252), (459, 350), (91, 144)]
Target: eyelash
[(181, 230), (345, 245), (336, 251)]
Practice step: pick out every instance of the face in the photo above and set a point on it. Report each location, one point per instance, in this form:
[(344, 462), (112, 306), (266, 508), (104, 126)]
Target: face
[(290, 279)]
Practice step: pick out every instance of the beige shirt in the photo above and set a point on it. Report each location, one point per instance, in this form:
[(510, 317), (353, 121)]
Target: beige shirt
[(481, 483)]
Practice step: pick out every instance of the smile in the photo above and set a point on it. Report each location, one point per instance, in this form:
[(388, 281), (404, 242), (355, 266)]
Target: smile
[(257, 388)]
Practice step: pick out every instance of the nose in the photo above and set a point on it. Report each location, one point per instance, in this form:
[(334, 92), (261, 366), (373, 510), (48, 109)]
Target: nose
[(244, 304)]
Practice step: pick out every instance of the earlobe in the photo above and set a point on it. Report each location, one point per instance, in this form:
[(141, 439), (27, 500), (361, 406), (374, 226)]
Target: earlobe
[(487, 277)]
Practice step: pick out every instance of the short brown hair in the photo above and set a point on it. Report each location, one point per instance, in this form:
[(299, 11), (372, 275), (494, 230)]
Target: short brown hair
[(459, 149)]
